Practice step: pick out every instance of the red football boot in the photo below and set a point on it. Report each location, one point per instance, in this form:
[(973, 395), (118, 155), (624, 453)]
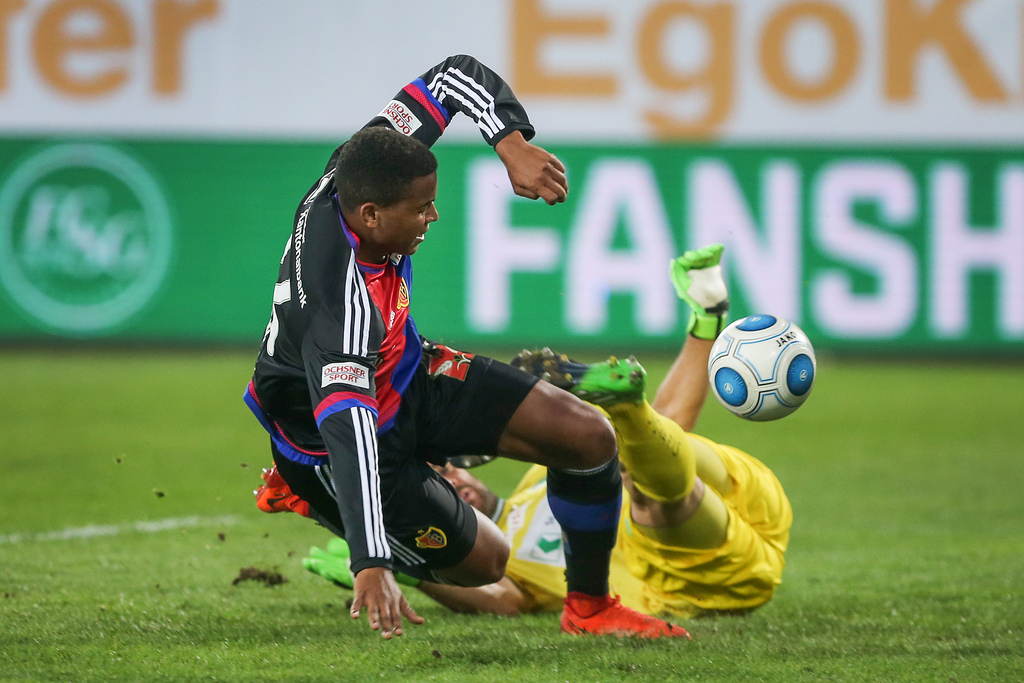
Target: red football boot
[(607, 616), (276, 496)]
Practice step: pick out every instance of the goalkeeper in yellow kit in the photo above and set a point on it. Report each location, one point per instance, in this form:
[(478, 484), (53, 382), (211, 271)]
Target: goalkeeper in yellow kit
[(704, 527)]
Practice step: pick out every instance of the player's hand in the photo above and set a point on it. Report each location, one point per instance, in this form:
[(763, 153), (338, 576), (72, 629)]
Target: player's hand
[(697, 277), (378, 593), (535, 172)]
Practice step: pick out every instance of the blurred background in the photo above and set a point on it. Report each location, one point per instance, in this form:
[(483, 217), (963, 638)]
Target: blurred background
[(861, 161)]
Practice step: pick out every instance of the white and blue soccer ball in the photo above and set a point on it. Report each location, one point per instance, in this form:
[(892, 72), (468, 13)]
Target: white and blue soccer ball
[(762, 367)]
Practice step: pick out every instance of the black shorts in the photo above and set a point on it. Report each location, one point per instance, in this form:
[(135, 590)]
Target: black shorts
[(456, 404)]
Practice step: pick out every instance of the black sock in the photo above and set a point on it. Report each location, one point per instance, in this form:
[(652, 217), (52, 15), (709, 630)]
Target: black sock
[(586, 505)]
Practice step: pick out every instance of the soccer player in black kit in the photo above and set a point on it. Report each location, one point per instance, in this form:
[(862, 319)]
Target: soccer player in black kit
[(359, 406)]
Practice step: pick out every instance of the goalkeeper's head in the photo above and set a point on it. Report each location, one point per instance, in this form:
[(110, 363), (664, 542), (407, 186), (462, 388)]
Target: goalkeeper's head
[(471, 489)]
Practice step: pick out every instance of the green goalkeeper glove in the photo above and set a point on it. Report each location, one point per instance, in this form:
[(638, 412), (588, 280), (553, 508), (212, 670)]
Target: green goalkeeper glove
[(335, 565), (697, 278)]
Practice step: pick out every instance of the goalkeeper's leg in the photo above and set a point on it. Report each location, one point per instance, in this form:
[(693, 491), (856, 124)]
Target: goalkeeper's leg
[(660, 460), (668, 500), (666, 469)]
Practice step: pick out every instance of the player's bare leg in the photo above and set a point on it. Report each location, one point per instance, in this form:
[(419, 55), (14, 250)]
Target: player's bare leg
[(577, 445), (556, 430), (485, 563)]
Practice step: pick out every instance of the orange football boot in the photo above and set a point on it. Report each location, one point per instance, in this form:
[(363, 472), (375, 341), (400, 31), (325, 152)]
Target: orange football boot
[(276, 496), (609, 617)]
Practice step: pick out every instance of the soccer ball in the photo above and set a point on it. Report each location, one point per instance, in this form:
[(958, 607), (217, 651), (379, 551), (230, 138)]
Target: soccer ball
[(762, 367)]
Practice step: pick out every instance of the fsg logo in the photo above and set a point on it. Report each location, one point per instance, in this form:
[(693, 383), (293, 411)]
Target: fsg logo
[(85, 237)]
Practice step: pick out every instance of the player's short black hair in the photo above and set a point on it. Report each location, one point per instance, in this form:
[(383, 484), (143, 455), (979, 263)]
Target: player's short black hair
[(377, 165)]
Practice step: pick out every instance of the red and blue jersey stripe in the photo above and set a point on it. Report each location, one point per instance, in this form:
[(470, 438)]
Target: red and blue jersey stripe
[(419, 92), (342, 400)]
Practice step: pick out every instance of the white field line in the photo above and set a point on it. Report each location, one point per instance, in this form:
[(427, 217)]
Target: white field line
[(93, 531)]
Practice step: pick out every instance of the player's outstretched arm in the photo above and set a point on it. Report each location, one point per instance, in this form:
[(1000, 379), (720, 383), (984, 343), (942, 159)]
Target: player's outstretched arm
[(697, 278), (534, 172), (377, 592), (682, 393), (460, 84), (503, 598)]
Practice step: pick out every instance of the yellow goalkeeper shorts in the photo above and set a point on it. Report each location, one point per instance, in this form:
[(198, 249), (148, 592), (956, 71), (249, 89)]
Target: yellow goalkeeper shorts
[(739, 575)]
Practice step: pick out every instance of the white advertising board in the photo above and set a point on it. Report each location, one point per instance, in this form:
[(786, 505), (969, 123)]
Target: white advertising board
[(890, 71)]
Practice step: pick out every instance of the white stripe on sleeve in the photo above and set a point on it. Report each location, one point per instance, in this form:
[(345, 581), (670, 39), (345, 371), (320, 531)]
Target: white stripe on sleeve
[(480, 94), (356, 334), (455, 85), (365, 427), (403, 554)]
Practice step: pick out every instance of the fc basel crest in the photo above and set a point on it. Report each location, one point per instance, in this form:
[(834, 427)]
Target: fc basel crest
[(431, 538), (403, 295)]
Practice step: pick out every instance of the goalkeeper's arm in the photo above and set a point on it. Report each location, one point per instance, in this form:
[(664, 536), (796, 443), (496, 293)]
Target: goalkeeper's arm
[(335, 565), (697, 277), (503, 598)]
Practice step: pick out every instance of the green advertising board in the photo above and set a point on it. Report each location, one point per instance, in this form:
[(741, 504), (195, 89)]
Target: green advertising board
[(868, 249)]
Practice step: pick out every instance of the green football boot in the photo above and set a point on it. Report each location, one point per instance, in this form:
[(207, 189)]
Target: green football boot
[(697, 278), (604, 384)]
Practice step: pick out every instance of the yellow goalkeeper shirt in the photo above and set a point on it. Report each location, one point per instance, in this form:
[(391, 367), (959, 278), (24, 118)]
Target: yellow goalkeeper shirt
[(651, 577)]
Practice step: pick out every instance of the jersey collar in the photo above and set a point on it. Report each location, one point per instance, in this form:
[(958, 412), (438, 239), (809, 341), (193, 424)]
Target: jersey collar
[(353, 241)]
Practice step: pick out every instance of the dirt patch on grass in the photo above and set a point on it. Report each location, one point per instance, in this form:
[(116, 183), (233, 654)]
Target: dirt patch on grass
[(255, 574)]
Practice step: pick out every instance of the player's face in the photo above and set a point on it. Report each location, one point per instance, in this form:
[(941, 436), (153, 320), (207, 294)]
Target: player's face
[(401, 227), (469, 488)]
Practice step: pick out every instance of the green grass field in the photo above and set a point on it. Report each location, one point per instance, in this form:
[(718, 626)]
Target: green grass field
[(126, 514)]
